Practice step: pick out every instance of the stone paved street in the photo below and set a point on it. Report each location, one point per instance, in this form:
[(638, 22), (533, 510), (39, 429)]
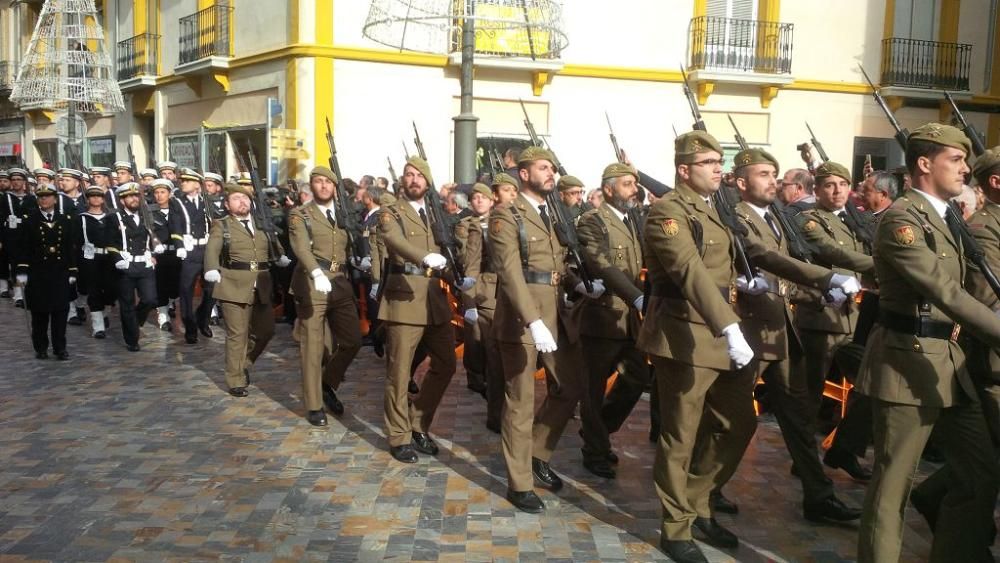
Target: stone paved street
[(144, 456)]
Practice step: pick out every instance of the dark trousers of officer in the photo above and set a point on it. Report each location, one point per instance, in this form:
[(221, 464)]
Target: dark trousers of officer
[(137, 280), (168, 272), (40, 323), (4, 264), (603, 356), (97, 282), (192, 269)]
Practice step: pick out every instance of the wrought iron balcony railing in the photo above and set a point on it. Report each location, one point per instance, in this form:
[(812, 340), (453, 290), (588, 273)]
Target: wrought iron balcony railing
[(8, 72), (729, 44), (139, 56), (207, 33), (915, 63)]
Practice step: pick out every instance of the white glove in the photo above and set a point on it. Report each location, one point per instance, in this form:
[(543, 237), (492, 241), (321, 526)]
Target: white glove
[(321, 282), (471, 316), (126, 256), (72, 280), (121, 265), (757, 286), (435, 261), (374, 291), (181, 253), (639, 302), (213, 276), (284, 261), (21, 279), (159, 249), (544, 341), (364, 264), (849, 284), (739, 351), (466, 283), (835, 298), (598, 291)]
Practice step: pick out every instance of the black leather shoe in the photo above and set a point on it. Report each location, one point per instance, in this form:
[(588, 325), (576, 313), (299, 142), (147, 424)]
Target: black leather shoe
[(75, 321), (720, 503), (19, 303), (612, 458), (331, 401), (41, 355), (238, 391), (167, 327), (715, 534), (830, 508), (839, 458), (191, 338), (654, 435), (683, 551), (493, 427), (379, 348), (205, 331), (525, 501), (541, 470), (412, 388), (600, 467), (99, 335), (316, 418), (423, 443), (133, 347), (62, 356), (404, 453), (925, 508)]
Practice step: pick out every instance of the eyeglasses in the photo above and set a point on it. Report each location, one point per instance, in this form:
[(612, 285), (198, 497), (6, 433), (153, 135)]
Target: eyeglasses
[(712, 162)]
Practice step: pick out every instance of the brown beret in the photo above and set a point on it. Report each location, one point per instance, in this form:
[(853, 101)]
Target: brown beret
[(324, 172), (690, 144), (831, 168), (532, 154), (568, 182), (754, 156), (503, 178), (483, 189), (943, 135), (421, 166), (617, 170), (238, 189), (985, 164)]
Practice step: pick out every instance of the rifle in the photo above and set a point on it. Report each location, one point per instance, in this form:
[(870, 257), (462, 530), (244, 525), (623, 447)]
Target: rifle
[(406, 151), (562, 223), (740, 140), (970, 131), (614, 139), (262, 211), (816, 144), (392, 171), (722, 204), (902, 135), (444, 237), (147, 214), (345, 216)]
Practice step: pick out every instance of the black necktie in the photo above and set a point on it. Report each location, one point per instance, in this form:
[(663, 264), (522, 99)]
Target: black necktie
[(48, 217), (843, 216), (769, 219), (423, 216), (246, 225), (545, 217), (953, 221), (329, 217)]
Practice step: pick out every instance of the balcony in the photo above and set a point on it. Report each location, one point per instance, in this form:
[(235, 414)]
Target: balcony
[(8, 72), (206, 39), (138, 61), (739, 51), (917, 68)]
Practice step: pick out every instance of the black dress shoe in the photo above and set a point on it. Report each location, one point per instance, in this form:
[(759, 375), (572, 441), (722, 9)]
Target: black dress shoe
[(541, 470), (62, 356), (191, 338), (167, 327), (132, 347), (238, 391), (205, 331), (925, 508), (830, 508), (715, 534), (612, 458), (412, 388), (331, 401), (423, 443), (720, 503), (493, 427), (379, 348), (839, 458), (600, 467), (683, 551), (75, 321), (19, 303), (316, 418), (99, 335), (41, 355), (404, 453), (525, 501)]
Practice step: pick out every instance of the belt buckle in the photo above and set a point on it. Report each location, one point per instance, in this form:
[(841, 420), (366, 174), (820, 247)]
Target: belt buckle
[(955, 332), (732, 293), (253, 265), (555, 279), (782, 288)]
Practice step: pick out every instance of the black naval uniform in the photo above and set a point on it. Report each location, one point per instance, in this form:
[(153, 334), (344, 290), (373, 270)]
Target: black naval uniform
[(46, 255), (189, 230), (126, 232), (97, 278), (168, 265), (13, 210)]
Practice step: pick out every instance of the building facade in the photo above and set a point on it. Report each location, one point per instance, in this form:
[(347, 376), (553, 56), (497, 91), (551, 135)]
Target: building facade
[(204, 77)]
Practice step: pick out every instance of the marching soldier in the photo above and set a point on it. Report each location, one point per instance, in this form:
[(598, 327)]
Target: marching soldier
[(474, 356), (101, 177), (123, 172), (238, 260), (189, 232), (914, 370), (72, 202), (414, 311), (325, 302), (609, 326), (47, 268), (45, 177), (131, 249), (168, 171), (4, 260), (571, 193), (168, 265), (15, 205), (146, 177), (531, 325), (97, 281)]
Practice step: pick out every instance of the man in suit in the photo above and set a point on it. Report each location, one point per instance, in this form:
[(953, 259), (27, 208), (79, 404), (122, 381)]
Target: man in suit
[(131, 249), (325, 302), (238, 261), (915, 371)]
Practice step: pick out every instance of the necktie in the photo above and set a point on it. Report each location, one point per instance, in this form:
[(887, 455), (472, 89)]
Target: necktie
[(954, 224), (246, 225), (545, 217), (48, 217), (423, 216), (843, 216), (769, 219), (629, 225), (330, 218)]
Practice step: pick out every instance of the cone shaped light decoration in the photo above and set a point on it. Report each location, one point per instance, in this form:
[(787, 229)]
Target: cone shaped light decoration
[(67, 63)]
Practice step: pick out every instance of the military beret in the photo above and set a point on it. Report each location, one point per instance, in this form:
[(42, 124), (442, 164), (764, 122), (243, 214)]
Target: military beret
[(44, 172), (238, 189), (421, 166), (617, 170), (532, 154), (148, 173), (479, 188), (831, 168), (986, 163), (127, 189), (166, 165), (103, 170), (754, 156), (4, 174), (324, 172), (94, 191), (189, 174), (17, 172), (162, 183), (123, 165), (217, 178), (568, 182), (503, 178), (689, 144), (45, 189), (943, 135)]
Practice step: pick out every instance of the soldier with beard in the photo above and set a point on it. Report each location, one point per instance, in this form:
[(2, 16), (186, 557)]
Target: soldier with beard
[(131, 249)]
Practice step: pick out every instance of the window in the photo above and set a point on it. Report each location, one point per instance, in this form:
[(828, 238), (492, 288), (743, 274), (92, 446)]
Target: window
[(184, 150), (101, 151), (728, 37), (917, 19)]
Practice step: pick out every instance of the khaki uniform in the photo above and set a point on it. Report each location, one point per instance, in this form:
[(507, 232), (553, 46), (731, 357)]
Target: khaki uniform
[(917, 377), (984, 362), (244, 292), (473, 348), (518, 304), (329, 334), (415, 310), (609, 325)]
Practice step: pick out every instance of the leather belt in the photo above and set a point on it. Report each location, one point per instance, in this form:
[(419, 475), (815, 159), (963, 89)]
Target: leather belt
[(252, 266), (671, 291), (923, 327), (543, 278), (330, 266), (411, 269), (100, 251), (201, 241)]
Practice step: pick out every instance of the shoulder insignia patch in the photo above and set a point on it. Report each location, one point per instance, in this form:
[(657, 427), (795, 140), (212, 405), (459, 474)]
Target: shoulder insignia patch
[(385, 219), (904, 235), (670, 227), (496, 225), (810, 226)]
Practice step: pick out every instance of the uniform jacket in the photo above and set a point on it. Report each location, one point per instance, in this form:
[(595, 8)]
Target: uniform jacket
[(46, 253), (314, 239), (188, 218), (985, 226), (122, 234), (472, 234), (238, 286)]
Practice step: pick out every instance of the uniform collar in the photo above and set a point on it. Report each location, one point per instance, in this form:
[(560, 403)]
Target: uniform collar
[(416, 205), (757, 209), (613, 209), (939, 205)]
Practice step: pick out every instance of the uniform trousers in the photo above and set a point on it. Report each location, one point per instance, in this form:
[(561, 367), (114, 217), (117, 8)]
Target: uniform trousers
[(402, 416), (329, 340), (168, 272), (136, 280), (191, 270), (41, 321), (494, 369), (603, 356), (249, 327), (97, 282)]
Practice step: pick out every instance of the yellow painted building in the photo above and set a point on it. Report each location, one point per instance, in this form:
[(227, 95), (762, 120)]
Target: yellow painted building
[(201, 75)]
